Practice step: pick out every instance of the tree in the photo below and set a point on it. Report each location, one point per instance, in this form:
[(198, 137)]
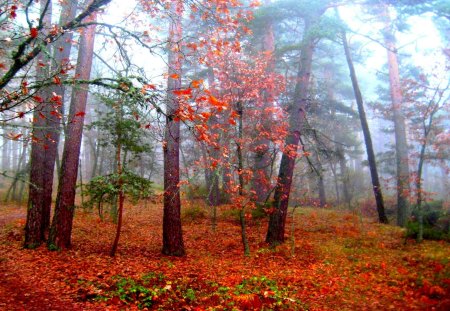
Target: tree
[(277, 221), (376, 186), (27, 50), (173, 244), (427, 108), (46, 129), (401, 144), (61, 227)]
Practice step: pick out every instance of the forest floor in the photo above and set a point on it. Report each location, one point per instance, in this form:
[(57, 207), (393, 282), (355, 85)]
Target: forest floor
[(334, 261)]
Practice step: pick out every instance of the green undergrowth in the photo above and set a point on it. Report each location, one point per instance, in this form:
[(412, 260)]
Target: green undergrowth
[(158, 292)]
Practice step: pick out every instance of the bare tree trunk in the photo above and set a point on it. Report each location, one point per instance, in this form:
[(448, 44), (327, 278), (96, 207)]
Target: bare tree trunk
[(172, 232), (38, 213), (121, 195), (44, 150), (241, 181), (367, 138), (344, 174), (401, 144), (61, 228), (277, 222)]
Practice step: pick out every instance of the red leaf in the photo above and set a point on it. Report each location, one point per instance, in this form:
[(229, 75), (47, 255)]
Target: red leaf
[(34, 32), (196, 83), (57, 80), (80, 114), (187, 92), (21, 114)]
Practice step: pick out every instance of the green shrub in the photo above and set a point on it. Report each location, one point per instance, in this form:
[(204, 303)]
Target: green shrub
[(104, 189), (429, 232), (193, 213)]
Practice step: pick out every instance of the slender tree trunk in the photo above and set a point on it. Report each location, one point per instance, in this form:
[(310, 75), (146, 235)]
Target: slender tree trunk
[(401, 144), (61, 228), (46, 130), (344, 174), (277, 222), (121, 195), (172, 232), (241, 181), (426, 132), (336, 183), (367, 138)]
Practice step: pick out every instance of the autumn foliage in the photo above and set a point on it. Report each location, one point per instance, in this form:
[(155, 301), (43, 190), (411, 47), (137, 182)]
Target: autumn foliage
[(334, 260)]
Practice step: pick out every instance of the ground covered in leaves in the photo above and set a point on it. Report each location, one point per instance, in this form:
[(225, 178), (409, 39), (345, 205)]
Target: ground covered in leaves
[(333, 260)]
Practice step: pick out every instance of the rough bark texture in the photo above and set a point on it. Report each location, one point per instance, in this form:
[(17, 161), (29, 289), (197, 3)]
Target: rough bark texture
[(367, 137), (401, 144), (38, 213), (172, 232), (277, 222), (47, 130), (61, 229)]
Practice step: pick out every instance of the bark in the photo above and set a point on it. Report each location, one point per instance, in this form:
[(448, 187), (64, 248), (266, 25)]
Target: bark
[(61, 228), (226, 183), (121, 195), (241, 181), (344, 173), (172, 232), (401, 144), (367, 137), (277, 222), (322, 194), (38, 213)]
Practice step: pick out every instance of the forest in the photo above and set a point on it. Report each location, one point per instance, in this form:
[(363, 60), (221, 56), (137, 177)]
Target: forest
[(224, 155)]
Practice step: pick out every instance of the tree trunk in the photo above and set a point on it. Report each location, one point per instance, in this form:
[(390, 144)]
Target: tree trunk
[(172, 232), (38, 213), (277, 222), (121, 194), (61, 229), (241, 181), (367, 137), (344, 174), (401, 144), (46, 129)]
